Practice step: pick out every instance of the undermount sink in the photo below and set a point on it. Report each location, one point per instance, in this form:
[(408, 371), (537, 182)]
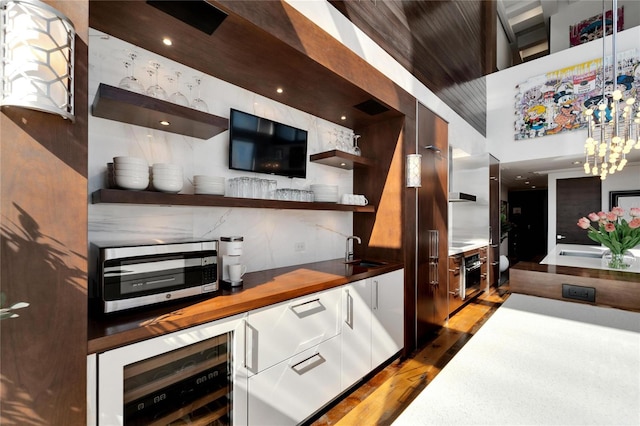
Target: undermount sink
[(366, 263), (580, 253)]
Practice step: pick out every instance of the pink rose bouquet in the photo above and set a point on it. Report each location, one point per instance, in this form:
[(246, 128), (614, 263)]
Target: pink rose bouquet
[(613, 231)]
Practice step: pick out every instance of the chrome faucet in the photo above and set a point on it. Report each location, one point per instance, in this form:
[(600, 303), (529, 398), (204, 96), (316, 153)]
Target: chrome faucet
[(348, 255)]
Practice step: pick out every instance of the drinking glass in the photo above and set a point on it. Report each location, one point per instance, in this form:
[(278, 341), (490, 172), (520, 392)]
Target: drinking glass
[(198, 103), (356, 148), (130, 82), (155, 90), (177, 97)]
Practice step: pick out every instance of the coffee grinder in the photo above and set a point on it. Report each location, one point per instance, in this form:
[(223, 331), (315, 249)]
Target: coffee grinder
[(230, 253)]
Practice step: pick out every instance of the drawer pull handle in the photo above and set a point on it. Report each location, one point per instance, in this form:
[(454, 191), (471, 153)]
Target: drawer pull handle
[(306, 364), (306, 311), (375, 307), (349, 301)]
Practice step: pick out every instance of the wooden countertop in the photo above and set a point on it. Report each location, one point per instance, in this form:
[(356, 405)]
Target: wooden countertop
[(260, 289)]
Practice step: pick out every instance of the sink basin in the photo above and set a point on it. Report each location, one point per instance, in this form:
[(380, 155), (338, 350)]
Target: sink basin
[(580, 253), (366, 263)]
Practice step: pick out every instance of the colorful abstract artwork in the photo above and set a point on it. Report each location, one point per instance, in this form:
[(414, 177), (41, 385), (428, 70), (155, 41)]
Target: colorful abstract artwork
[(591, 29), (554, 102)]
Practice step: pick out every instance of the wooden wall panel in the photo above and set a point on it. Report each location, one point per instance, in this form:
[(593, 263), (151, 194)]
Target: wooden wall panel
[(449, 46), (432, 308), (43, 258)]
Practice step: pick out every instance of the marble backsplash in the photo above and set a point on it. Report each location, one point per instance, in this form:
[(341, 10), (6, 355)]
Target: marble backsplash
[(271, 236)]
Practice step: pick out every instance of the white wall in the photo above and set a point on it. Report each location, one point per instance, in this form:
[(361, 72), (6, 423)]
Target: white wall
[(269, 234), (503, 50), (579, 11), (501, 92)]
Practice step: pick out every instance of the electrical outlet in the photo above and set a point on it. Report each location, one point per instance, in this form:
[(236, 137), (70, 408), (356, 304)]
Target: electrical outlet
[(299, 247), (586, 294)]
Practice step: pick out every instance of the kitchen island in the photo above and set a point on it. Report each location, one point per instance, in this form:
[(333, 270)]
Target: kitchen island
[(580, 256), (539, 361), (576, 276)]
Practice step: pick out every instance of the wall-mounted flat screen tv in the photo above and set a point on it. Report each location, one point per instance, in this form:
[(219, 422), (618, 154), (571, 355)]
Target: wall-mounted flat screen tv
[(264, 146)]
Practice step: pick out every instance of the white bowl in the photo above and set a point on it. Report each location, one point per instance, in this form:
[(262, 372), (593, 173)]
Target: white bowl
[(127, 182), (167, 166), (167, 185), (167, 173), (207, 191), (132, 174), (130, 160), (131, 166)]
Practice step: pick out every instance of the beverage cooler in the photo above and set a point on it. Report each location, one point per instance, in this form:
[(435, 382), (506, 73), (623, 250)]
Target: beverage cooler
[(187, 377)]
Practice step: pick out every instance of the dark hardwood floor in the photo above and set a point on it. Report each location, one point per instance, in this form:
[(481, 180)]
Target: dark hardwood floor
[(383, 397)]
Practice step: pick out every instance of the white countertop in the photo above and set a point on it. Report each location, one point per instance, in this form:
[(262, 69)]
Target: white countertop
[(579, 257), (539, 361), (457, 247)]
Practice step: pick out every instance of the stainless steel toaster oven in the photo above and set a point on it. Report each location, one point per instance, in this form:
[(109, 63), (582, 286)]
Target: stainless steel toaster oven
[(140, 275)]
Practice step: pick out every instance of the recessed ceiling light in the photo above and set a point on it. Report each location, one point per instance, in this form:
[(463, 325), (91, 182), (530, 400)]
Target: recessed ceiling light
[(167, 41), (279, 90), (533, 187), (577, 162), (343, 117), (164, 122), (343, 164), (526, 182)]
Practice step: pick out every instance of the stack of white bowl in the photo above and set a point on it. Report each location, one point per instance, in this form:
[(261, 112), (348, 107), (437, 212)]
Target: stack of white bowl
[(213, 185), (325, 193), (130, 172), (167, 177)]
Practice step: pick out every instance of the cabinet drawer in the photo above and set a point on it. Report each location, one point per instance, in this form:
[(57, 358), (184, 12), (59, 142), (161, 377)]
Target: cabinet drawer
[(289, 392), (276, 333)]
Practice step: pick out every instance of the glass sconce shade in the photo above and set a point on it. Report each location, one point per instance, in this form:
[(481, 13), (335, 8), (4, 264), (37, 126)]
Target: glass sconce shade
[(413, 170), (38, 44)]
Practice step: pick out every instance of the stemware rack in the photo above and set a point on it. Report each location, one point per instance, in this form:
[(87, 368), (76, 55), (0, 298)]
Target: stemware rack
[(122, 105), (341, 159)]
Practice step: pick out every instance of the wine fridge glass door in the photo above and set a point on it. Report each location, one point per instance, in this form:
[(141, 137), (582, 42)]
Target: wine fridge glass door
[(187, 377)]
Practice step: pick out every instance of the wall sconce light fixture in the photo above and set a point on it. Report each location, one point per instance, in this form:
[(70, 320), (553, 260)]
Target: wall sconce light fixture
[(413, 170), (38, 44)]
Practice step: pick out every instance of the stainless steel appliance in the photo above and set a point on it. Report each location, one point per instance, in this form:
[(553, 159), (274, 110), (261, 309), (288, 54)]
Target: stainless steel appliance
[(471, 276), (230, 254), (140, 275)]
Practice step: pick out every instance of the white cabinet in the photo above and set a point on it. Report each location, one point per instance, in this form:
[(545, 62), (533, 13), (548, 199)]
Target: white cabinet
[(293, 358), (356, 332), (278, 332), (289, 392), (387, 321), (373, 324)]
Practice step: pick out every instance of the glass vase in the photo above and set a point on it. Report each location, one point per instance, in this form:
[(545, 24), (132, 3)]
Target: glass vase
[(618, 260)]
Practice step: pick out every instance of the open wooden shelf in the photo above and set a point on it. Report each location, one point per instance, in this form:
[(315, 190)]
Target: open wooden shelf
[(118, 104), (341, 159), (121, 196)]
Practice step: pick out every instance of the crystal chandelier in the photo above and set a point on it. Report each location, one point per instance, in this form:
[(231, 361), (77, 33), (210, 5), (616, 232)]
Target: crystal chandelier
[(613, 125)]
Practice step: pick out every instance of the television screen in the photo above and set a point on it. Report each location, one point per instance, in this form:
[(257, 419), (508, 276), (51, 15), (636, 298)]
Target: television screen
[(265, 146)]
